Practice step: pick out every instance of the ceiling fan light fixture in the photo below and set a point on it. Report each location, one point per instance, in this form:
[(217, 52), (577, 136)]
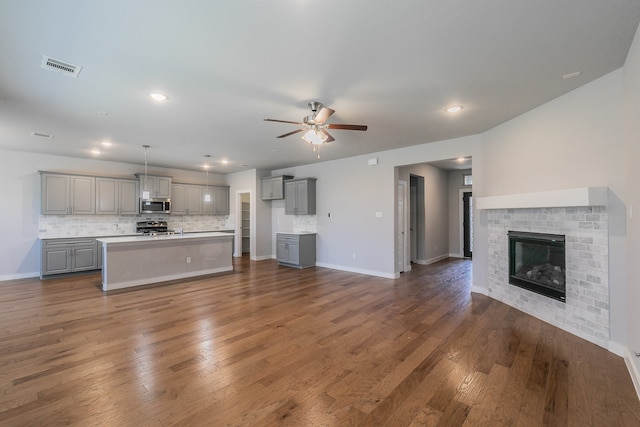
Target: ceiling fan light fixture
[(314, 137)]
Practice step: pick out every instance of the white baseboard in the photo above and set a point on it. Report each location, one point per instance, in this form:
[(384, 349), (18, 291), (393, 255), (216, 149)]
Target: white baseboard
[(480, 290), (262, 258), (632, 363), (431, 260), (359, 271), (8, 277), (456, 256)]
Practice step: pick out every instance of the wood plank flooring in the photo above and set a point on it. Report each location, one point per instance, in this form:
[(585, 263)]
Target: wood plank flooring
[(274, 346)]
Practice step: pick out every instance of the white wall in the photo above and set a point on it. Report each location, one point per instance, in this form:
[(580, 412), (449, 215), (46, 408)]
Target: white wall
[(352, 191), (632, 175), (573, 141)]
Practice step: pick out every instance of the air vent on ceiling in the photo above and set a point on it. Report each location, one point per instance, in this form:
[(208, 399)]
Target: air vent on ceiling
[(66, 68), (42, 135)]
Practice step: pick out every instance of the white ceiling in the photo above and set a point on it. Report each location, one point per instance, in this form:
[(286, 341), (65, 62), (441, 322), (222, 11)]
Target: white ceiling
[(226, 65)]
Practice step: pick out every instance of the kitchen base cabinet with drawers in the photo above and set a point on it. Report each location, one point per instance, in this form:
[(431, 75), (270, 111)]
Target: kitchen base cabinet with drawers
[(296, 249), (62, 256)]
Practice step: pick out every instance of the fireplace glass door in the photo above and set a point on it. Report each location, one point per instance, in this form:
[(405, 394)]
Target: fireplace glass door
[(537, 263)]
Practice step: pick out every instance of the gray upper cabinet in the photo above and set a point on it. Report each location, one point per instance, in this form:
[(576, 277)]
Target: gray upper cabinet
[(116, 196), (272, 187), (67, 194), (157, 186), (221, 200), (186, 200), (300, 197), (190, 199)]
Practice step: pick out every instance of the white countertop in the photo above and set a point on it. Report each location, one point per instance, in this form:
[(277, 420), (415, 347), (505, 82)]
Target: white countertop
[(138, 238), (296, 233)]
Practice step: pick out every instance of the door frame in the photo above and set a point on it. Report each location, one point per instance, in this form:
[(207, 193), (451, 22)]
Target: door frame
[(401, 258)]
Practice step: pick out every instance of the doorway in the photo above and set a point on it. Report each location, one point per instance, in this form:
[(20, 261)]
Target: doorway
[(416, 217), (242, 240), (467, 223)]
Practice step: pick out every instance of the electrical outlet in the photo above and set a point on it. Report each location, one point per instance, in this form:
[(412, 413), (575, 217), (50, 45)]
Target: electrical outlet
[(188, 260)]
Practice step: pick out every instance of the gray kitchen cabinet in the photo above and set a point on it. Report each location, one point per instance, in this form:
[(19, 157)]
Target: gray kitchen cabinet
[(116, 196), (296, 250), (272, 187), (178, 201), (208, 199), (72, 255), (300, 197), (67, 194), (190, 199), (158, 186), (220, 200)]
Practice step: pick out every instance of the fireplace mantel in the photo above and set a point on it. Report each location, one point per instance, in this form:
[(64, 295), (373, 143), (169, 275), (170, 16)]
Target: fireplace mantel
[(573, 197)]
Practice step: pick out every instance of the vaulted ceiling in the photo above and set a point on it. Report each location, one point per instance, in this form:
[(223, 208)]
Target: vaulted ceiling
[(226, 65)]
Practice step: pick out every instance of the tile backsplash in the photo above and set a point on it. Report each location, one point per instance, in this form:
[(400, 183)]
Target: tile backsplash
[(59, 226)]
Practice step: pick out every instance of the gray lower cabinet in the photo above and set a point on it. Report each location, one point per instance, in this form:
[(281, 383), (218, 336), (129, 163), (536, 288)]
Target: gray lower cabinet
[(61, 256), (296, 250)]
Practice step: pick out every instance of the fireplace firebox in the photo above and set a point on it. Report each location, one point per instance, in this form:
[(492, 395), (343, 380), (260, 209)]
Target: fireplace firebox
[(537, 263)]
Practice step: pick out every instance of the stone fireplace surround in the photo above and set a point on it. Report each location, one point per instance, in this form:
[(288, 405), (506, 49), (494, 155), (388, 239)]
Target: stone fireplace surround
[(579, 214)]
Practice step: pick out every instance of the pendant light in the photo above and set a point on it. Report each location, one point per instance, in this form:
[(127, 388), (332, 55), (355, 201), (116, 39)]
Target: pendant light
[(145, 190), (207, 193)]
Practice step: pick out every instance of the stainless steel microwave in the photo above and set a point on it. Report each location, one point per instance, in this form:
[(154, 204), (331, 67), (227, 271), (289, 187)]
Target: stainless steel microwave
[(151, 206)]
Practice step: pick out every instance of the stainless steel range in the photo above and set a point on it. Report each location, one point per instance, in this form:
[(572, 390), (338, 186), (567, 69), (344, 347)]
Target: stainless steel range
[(153, 228)]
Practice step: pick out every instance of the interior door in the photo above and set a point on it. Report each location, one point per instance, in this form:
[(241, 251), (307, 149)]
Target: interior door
[(467, 223)]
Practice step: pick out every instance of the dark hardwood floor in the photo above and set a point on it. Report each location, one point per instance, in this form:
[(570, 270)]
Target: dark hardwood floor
[(268, 346)]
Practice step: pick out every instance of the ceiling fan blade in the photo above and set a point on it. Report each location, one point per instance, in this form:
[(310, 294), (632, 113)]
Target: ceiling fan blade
[(282, 121), (323, 115), (290, 133), (329, 137), (346, 127)]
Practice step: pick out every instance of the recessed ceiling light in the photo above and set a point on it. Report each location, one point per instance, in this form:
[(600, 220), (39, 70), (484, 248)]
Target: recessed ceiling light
[(106, 144), (96, 152), (454, 109), (224, 161), (156, 96)]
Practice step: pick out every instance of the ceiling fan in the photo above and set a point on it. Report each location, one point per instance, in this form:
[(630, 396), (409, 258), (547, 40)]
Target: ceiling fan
[(315, 125)]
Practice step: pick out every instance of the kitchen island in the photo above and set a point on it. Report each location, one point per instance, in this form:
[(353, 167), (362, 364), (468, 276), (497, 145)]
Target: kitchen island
[(129, 261)]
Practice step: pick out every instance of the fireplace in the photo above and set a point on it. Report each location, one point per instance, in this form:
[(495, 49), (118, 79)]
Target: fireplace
[(537, 263)]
